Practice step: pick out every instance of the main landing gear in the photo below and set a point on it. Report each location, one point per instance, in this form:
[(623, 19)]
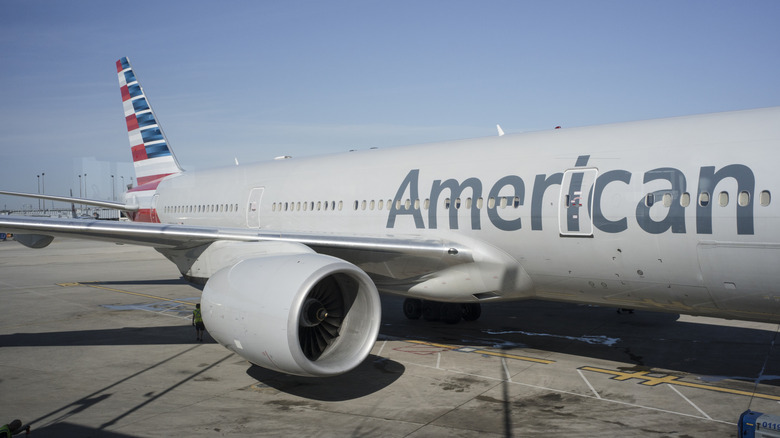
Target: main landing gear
[(451, 313)]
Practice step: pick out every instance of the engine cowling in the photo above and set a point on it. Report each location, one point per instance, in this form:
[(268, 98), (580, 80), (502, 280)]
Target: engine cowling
[(306, 314)]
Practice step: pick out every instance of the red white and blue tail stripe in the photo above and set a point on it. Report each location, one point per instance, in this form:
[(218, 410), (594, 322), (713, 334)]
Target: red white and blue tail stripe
[(153, 158)]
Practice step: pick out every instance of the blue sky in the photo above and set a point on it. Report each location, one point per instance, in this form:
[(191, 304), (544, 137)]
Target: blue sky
[(254, 80)]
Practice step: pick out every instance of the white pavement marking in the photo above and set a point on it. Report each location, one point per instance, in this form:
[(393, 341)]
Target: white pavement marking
[(382, 347), (589, 385), (561, 391), (689, 401), (506, 369)]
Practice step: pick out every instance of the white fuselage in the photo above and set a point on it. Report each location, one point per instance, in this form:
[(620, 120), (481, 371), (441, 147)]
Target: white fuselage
[(569, 206)]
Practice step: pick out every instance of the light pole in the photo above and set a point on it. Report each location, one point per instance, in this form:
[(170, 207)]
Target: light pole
[(43, 185), (39, 191), (85, 184), (113, 190)]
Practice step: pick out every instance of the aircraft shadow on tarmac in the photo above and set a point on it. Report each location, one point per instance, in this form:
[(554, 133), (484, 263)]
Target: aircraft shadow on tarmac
[(167, 335), (374, 374), (153, 282), (645, 340), (69, 430)]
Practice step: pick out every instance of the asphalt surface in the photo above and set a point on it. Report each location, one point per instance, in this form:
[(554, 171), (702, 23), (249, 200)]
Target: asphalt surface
[(96, 341)]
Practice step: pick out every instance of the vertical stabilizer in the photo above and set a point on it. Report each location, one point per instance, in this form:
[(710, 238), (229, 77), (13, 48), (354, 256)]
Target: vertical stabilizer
[(152, 156)]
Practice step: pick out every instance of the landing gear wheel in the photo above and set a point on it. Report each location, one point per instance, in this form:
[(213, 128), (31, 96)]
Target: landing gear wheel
[(471, 311), (451, 312), (412, 308), (430, 310)]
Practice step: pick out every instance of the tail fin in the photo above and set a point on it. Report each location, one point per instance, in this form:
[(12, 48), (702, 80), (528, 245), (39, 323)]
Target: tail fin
[(152, 156)]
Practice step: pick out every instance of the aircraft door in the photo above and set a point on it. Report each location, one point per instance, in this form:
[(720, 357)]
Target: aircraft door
[(153, 216), (253, 207), (575, 209)]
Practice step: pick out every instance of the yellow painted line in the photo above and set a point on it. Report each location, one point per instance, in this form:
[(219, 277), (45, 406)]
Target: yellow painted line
[(674, 380), (485, 352), (125, 292)]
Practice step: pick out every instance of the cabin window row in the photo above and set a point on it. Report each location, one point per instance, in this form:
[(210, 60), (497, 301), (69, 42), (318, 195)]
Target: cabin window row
[(307, 206), (743, 199), (207, 208), (408, 204)]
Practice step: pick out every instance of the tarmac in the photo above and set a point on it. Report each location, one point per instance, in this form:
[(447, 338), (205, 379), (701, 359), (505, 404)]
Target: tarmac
[(96, 341)]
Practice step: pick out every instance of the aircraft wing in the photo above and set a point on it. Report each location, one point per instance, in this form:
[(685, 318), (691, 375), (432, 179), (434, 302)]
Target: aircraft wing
[(174, 236), (92, 202)]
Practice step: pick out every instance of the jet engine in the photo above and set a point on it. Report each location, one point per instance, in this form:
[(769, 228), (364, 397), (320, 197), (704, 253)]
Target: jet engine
[(306, 314)]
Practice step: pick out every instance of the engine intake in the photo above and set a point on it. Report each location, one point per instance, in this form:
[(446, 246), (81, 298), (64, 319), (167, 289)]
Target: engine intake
[(307, 314)]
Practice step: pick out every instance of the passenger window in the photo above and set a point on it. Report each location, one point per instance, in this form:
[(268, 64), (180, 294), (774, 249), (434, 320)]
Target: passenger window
[(427, 203), (381, 204), (503, 202), (744, 199), (723, 199), (491, 203), (416, 204), (704, 199), (457, 203), (649, 199), (341, 205), (667, 199), (468, 203), (371, 205), (765, 198), (479, 203), (363, 205), (408, 204), (447, 203), (685, 199)]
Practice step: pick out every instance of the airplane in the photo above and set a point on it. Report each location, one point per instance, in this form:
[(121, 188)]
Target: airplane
[(672, 215)]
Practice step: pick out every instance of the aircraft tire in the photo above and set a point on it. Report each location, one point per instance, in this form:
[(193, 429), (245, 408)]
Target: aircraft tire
[(472, 311), (430, 310), (451, 313), (413, 308)]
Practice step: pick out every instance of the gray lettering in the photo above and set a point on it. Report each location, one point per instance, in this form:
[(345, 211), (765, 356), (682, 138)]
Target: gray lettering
[(599, 221), (541, 184), (675, 218), (411, 181), (455, 192), (517, 183), (709, 179)]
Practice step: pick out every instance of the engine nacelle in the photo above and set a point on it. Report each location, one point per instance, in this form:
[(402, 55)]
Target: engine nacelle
[(307, 314)]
